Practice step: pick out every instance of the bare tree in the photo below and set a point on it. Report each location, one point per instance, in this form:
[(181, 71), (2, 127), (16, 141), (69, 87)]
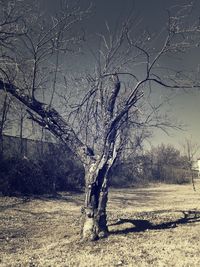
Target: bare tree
[(109, 99)]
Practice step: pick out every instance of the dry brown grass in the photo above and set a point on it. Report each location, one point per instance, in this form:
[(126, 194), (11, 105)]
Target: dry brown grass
[(156, 226)]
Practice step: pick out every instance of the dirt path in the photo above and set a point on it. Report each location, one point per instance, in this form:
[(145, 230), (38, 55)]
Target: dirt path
[(156, 226)]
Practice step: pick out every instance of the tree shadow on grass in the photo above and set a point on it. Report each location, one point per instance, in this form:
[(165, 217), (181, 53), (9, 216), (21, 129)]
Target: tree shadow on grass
[(190, 216)]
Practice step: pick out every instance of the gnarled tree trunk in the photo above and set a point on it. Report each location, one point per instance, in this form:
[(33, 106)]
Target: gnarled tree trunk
[(94, 212)]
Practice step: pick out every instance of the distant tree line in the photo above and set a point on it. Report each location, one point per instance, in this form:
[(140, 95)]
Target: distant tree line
[(57, 170), (162, 164)]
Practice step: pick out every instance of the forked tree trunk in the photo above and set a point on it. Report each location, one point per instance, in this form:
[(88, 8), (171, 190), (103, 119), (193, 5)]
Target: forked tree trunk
[(95, 218)]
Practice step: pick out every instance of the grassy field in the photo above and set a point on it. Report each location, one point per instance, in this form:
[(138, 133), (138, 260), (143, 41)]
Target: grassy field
[(155, 226)]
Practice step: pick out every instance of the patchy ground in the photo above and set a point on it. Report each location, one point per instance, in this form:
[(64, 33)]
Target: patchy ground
[(156, 226)]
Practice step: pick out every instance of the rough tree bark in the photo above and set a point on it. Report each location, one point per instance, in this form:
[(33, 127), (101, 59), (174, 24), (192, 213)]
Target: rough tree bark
[(95, 221), (96, 193)]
